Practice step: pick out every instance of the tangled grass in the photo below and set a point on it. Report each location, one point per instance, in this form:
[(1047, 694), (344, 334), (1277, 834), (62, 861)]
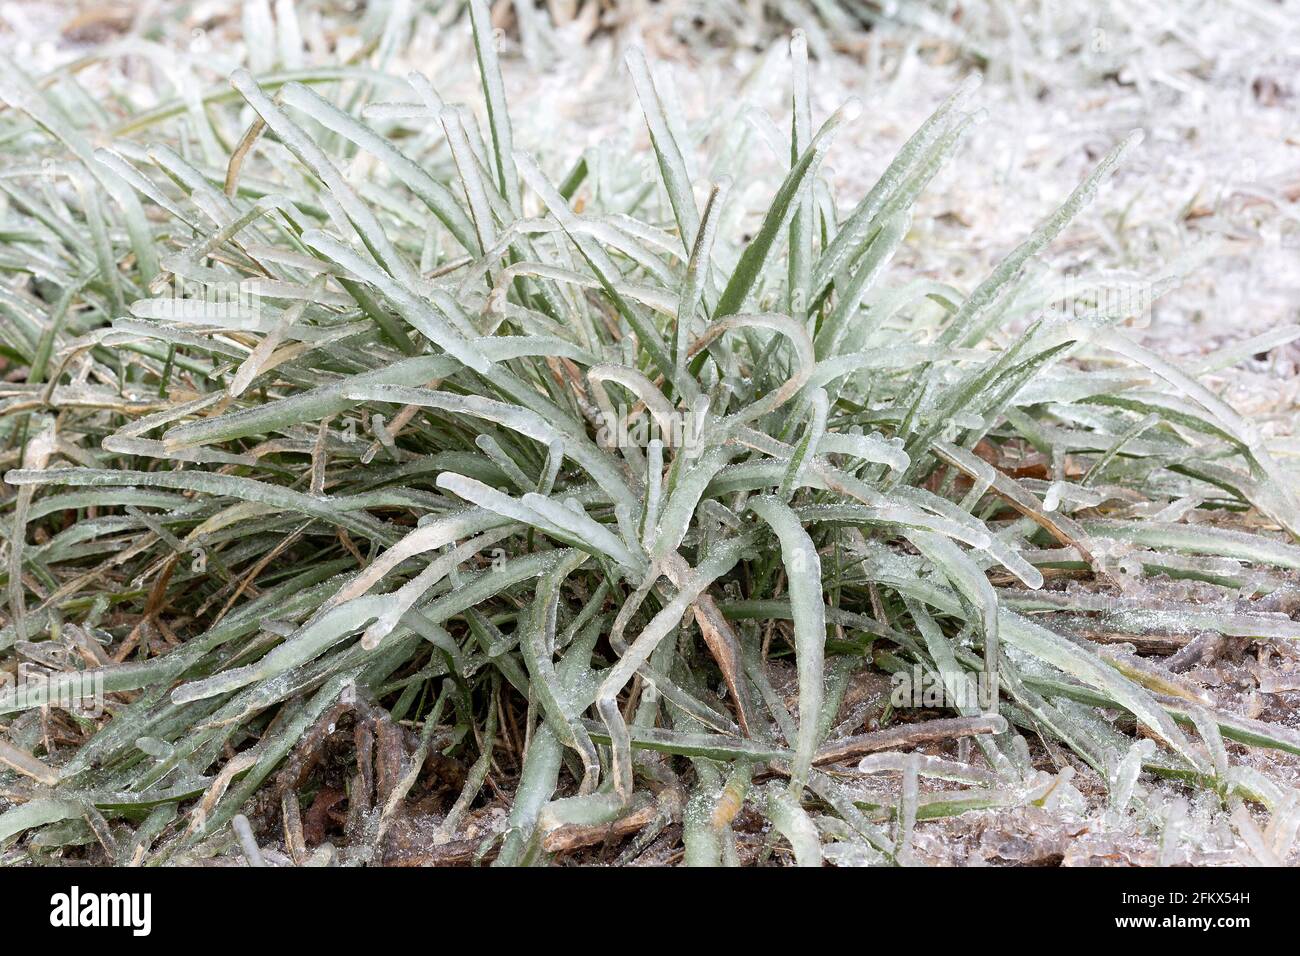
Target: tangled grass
[(458, 443)]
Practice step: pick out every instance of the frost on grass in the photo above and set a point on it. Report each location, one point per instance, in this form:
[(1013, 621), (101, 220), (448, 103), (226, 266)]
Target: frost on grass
[(377, 443)]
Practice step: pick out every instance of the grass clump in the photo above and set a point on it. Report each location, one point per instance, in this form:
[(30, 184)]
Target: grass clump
[(553, 474)]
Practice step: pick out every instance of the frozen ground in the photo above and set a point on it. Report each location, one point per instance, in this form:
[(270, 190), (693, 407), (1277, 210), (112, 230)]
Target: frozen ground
[(1208, 208)]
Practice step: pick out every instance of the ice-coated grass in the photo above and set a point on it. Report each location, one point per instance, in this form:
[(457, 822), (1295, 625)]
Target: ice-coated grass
[(386, 447)]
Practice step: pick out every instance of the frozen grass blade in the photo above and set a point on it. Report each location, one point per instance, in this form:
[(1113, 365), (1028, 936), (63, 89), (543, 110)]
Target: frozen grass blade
[(804, 571)]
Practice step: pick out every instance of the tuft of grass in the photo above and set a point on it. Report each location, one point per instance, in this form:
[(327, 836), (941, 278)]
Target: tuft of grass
[(560, 476)]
